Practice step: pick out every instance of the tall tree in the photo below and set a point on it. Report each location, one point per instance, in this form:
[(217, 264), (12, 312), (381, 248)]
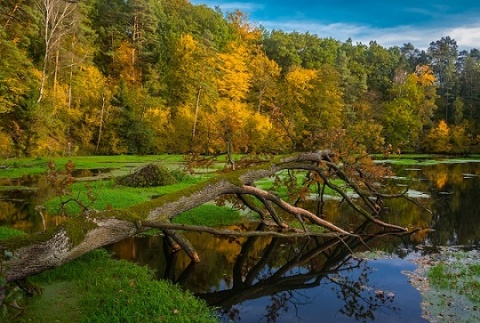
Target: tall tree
[(443, 54), (110, 18), (470, 90), (57, 21), (381, 66), (191, 84)]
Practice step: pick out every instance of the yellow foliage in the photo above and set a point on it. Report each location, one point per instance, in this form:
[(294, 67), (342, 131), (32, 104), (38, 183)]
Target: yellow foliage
[(91, 83), (187, 44), (424, 75), (5, 145), (443, 129), (234, 79), (300, 78), (48, 146), (125, 58), (437, 139)]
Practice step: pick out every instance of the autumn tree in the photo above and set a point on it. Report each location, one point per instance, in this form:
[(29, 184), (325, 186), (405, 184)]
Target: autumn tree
[(226, 120), (193, 88), (311, 104), (437, 139), (411, 110)]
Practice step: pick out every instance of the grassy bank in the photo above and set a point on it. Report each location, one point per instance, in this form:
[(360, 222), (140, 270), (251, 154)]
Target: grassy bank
[(96, 288)]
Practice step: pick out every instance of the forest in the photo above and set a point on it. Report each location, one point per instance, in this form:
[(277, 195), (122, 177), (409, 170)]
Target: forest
[(107, 77)]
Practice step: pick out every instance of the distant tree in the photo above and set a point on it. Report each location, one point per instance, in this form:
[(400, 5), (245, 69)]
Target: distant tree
[(437, 140), (57, 22), (443, 54), (414, 56), (283, 48), (410, 110), (470, 91), (381, 65)]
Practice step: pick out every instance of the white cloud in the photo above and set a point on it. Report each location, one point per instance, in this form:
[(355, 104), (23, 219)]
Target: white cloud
[(467, 34), (467, 37)]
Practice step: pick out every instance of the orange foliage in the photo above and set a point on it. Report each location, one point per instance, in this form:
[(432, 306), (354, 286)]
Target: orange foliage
[(125, 58)]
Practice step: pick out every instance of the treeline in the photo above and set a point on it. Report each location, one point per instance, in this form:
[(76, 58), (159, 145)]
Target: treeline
[(149, 76)]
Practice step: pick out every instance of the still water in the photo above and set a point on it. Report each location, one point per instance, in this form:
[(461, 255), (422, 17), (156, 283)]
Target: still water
[(318, 280), (262, 279)]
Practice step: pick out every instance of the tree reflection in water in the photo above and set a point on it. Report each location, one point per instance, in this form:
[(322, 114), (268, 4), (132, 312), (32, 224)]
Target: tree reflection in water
[(282, 270)]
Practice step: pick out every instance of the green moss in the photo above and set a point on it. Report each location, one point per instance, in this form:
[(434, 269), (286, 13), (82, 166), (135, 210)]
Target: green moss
[(295, 224), (77, 228), (142, 210)]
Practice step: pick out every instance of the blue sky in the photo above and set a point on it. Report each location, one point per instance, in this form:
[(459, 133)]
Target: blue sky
[(389, 22)]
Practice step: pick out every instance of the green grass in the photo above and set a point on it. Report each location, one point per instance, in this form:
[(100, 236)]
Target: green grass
[(209, 215), (107, 194), (96, 288), (423, 159), (6, 233)]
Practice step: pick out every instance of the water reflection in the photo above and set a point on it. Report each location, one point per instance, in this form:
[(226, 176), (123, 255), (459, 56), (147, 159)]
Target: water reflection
[(21, 200), (273, 279), (455, 192), (277, 279)]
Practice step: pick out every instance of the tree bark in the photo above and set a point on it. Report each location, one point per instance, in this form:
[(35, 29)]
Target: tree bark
[(29, 255)]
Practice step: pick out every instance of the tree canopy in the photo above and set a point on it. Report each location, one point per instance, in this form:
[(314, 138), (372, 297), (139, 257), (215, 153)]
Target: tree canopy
[(75, 74)]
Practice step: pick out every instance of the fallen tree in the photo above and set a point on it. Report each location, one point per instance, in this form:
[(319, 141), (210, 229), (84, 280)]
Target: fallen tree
[(29, 255)]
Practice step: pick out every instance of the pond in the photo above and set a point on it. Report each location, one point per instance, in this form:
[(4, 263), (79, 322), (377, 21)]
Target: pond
[(260, 279), (312, 279)]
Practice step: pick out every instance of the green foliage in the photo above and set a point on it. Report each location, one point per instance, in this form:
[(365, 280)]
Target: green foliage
[(107, 290)]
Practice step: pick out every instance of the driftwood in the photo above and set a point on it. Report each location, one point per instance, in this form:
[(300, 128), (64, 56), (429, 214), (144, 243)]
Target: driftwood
[(25, 256)]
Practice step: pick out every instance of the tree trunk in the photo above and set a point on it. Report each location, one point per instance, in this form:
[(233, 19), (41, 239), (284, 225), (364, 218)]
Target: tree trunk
[(29, 255), (195, 117), (100, 128)]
